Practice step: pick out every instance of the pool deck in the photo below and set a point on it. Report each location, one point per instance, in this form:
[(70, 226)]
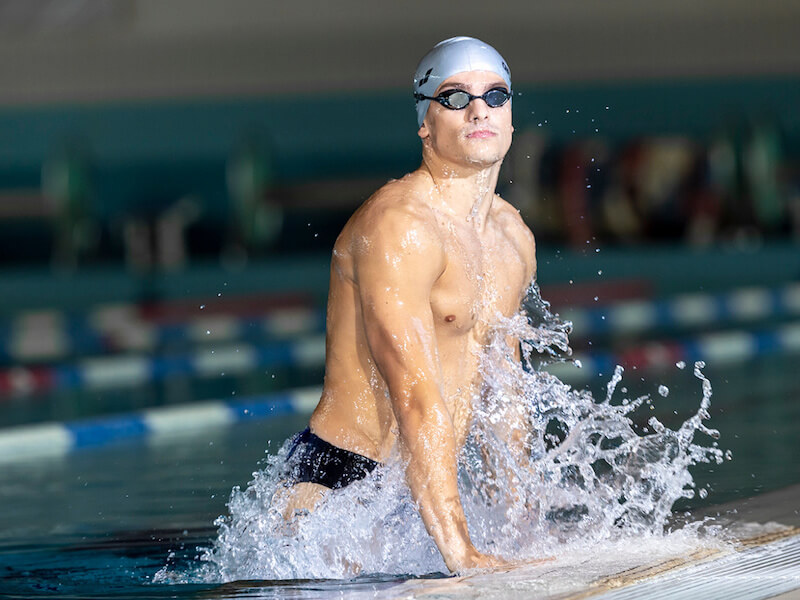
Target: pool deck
[(762, 565)]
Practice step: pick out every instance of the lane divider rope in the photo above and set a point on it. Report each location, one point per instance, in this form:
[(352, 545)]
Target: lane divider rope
[(723, 348), (59, 439), (744, 305), (53, 439), (719, 348), (53, 335), (129, 370)]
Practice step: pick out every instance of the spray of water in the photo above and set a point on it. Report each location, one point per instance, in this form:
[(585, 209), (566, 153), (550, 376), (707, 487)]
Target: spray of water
[(546, 468)]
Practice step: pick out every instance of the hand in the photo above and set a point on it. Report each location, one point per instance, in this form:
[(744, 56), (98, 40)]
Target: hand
[(479, 560)]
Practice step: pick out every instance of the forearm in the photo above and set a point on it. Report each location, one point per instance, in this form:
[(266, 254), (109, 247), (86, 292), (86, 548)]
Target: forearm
[(433, 479)]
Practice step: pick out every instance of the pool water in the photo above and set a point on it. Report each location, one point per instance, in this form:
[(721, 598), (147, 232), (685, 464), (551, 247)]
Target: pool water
[(101, 523)]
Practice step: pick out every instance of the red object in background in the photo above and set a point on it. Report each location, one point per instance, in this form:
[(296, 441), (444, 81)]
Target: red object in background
[(583, 294), (574, 196)]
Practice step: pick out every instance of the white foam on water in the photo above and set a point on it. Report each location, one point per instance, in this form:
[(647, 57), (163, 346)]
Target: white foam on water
[(548, 470)]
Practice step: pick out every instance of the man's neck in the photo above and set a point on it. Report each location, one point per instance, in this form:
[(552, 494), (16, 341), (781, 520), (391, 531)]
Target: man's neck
[(463, 192)]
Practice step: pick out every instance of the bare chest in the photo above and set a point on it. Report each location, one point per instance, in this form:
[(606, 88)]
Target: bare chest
[(484, 275)]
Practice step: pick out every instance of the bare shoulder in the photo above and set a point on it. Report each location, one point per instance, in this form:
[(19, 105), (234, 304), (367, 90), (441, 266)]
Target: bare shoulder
[(510, 220), (395, 216), (395, 228)]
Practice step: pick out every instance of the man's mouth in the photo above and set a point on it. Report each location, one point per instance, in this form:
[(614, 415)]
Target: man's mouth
[(481, 134)]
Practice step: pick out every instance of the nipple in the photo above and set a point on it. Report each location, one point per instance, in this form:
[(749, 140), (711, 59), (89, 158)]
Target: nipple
[(450, 318)]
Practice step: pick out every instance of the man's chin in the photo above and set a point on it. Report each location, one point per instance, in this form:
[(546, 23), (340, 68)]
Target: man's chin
[(483, 160)]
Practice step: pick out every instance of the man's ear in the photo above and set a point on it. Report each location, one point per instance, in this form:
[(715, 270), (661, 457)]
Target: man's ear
[(423, 131)]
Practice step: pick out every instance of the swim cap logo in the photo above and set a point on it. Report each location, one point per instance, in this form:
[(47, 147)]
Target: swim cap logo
[(424, 80), (505, 66)]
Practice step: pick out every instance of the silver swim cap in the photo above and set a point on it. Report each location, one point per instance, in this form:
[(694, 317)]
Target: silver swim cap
[(455, 55)]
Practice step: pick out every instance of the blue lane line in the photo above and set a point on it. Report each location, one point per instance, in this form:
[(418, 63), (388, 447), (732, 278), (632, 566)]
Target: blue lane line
[(58, 439), (100, 432)]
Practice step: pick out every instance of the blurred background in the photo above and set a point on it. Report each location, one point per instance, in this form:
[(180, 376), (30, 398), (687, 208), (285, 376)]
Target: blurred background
[(173, 174)]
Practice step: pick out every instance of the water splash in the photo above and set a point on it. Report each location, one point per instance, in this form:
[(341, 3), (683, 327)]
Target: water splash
[(546, 468)]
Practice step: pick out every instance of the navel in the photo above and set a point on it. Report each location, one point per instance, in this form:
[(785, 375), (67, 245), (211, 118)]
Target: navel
[(450, 318)]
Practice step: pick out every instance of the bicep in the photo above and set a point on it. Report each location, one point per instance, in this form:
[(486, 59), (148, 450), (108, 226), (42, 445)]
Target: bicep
[(394, 281)]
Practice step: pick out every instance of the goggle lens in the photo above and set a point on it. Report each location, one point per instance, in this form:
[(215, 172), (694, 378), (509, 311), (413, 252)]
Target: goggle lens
[(495, 98), (456, 99)]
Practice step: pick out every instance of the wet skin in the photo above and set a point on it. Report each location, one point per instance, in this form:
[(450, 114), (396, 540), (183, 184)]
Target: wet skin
[(419, 274)]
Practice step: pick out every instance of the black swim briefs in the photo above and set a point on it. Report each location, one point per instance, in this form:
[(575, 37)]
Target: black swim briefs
[(312, 459)]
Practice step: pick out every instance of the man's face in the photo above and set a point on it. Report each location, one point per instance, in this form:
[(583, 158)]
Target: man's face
[(478, 135)]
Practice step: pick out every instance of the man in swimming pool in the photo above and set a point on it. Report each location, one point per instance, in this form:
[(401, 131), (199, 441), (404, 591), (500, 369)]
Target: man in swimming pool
[(418, 275)]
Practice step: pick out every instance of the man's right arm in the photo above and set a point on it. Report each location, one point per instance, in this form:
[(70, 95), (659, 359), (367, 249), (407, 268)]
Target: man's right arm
[(396, 265)]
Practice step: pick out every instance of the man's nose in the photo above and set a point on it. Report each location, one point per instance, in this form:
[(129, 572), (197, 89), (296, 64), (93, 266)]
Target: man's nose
[(478, 109)]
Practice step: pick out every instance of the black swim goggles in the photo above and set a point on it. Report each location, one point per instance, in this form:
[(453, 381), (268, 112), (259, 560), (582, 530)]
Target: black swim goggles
[(459, 99)]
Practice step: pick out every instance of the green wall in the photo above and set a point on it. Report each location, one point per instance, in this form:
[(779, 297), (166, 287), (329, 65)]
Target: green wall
[(147, 153)]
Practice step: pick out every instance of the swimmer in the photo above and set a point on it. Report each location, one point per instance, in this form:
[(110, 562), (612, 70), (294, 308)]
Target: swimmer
[(419, 274)]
